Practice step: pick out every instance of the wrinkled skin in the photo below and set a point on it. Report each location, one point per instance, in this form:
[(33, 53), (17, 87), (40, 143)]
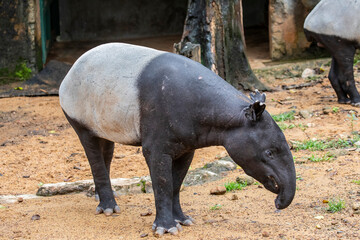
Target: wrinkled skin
[(183, 106)]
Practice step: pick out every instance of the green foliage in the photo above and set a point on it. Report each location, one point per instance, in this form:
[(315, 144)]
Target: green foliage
[(325, 157), (284, 126), (320, 145), (357, 58), (232, 186), (335, 109), (336, 205), (356, 181), (216, 207), (287, 116), (20, 73)]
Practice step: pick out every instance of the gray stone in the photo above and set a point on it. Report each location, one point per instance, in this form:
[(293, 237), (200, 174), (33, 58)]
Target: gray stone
[(121, 186), (308, 72), (355, 206), (305, 114), (245, 178)]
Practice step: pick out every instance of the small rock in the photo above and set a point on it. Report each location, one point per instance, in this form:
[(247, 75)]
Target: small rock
[(35, 217), (357, 144), (265, 234), (319, 217), (327, 110), (119, 156), (1, 175), (77, 168), (356, 206), (218, 191), (318, 226), (234, 197), (144, 235), (245, 178), (26, 176), (148, 213), (20, 200), (305, 114), (308, 72)]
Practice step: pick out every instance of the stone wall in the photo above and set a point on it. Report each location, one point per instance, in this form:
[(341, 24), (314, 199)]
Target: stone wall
[(17, 33)]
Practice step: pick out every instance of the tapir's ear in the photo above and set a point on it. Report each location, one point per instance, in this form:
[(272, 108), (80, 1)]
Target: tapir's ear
[(257, 96), (254, 111)]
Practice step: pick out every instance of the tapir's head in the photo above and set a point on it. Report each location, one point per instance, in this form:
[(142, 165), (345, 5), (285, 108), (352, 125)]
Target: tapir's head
[(260, 148)]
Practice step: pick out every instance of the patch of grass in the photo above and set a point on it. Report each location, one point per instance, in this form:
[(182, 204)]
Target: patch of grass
[(216, 207), (356, 181), (20, 73), (335, 205), (320, 145), (357, 58), (232, 186), (325, 157), (284, 126), (287, 116), (335, 109)]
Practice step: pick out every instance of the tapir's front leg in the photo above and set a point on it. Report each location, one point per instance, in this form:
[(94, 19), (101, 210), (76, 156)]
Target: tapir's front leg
[(160, 166)]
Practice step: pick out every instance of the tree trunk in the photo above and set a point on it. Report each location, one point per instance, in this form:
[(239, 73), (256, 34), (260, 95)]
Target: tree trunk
[(214, 30)]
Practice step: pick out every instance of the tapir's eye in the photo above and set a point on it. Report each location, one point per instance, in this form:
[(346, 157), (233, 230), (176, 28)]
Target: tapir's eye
[(269, 153)]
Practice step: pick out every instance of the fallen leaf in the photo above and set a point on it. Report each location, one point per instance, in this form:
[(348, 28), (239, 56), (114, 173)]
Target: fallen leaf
[(2, 207), (325, 201)]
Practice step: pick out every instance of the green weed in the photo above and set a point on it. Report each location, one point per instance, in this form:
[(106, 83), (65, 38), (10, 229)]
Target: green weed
[(325, 157), (320, 145), (336, 205), (357, 58), (216, 207), (287, 116), (232, 186), (20, 73), (335, 109), (356, 181)]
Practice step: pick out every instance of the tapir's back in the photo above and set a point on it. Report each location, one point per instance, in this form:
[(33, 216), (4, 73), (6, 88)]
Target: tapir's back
[(335, 18), (100, 91)]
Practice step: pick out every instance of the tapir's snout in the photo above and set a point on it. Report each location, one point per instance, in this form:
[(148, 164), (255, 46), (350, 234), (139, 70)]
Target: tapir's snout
[(285, 187)]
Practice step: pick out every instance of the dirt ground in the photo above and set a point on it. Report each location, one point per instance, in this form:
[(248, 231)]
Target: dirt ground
[(38, 146)]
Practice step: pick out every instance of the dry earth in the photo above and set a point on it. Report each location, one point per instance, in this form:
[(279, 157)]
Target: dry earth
[(38, 146)]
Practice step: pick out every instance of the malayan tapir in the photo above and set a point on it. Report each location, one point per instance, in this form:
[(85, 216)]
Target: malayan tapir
[(170, 105), (335, 24)]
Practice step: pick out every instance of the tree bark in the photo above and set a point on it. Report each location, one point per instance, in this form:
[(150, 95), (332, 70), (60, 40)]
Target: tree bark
[(215, 28)]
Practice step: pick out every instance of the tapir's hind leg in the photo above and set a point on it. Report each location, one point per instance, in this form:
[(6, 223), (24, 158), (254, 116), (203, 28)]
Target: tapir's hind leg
[(180, 168), (99, 152), (335, 83)]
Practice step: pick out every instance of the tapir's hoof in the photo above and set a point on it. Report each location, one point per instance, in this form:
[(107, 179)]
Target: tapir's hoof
[(344, 101), (159, 231), (187, 222), (107, 211), (356, 104)]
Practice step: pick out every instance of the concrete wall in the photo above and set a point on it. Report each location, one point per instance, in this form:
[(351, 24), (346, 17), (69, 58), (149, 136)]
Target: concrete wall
[(113, 20), (18, 33)]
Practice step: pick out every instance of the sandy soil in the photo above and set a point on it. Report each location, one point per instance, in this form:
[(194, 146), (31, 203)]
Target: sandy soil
[(38, 146)]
